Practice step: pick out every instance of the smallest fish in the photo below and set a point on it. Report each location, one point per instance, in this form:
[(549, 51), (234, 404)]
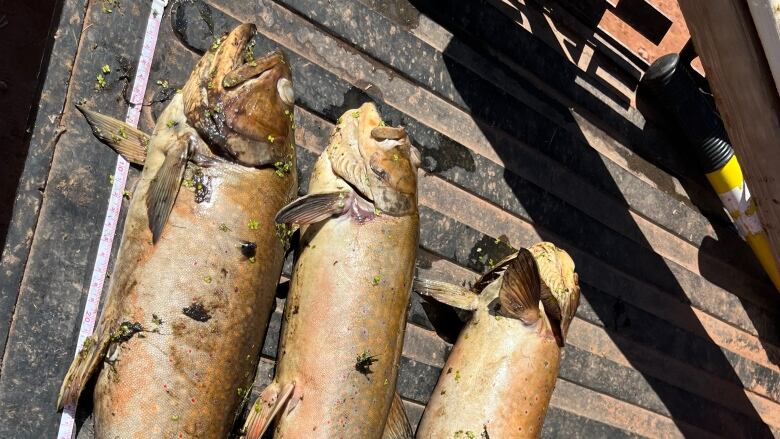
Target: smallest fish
[(501, 373)]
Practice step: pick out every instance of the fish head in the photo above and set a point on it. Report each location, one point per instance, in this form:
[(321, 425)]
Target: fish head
[(560, 283), (378, 161), (242, 105)]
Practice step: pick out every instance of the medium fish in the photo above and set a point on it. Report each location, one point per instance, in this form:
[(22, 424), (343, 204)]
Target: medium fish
[(345, 314), (500, 375), (193, 285)]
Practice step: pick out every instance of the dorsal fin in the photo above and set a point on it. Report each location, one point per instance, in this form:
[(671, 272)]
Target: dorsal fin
[(520, 289)]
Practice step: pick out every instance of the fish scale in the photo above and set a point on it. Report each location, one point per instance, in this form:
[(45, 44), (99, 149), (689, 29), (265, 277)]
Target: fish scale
[(345, 315), (180, 335), (500, 375)]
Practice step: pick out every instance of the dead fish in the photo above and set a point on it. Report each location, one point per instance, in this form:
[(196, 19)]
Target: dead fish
[(500, 375), (187, 308), (345, 314)]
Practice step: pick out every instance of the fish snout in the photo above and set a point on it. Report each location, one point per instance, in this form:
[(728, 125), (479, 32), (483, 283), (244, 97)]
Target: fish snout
[(240, 104)]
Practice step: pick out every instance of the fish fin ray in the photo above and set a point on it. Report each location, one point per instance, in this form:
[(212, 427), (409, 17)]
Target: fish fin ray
[(397, 426), (554, 314), (165, 187), (560, 287), (521, 289), (314, 208), (81, 369), (494, 273), (128, 141), (447, 293), (265, 409)]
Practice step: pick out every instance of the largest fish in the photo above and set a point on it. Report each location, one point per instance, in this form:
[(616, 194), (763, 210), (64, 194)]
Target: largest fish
[(193, 286), (346, 310)]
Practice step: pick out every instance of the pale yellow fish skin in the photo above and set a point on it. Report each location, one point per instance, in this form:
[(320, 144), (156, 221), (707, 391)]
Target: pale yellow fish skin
[(349, 295), (184, 381), (500, 375), (187, 373)]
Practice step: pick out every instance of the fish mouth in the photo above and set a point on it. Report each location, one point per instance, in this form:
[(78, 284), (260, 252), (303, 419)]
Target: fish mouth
[(390, 162), (248, 69), (240, 104), (375, 160)]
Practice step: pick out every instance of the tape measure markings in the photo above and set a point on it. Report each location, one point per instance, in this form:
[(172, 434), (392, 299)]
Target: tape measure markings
[(100, 269)]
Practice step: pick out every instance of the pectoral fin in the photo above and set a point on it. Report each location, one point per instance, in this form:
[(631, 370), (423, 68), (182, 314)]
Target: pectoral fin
[(453, 295), (265, 409), (397, 426), (165, 186), (84, 365), (494, 273), (127, 140), (521, 289), (314, 208)]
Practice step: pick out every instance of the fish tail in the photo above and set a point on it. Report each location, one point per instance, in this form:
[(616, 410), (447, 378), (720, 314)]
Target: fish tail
[(81, 370), (265, 409), (397, 426), (521, 289)]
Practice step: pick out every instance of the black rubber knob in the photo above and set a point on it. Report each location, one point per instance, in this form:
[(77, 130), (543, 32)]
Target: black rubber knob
[(668, 84)]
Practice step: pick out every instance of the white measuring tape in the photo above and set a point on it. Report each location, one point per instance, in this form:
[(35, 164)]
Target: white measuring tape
[(88, 320)]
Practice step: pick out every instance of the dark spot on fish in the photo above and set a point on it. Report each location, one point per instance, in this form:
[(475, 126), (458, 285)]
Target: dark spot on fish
[(178, 328), (364, 362), (248, 249), (296, 308), (197, 312), (202, 185), (126, 331), (224, 272), (381, 173)]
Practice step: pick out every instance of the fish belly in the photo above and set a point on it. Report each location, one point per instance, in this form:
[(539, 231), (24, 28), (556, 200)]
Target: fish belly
[(204, 307), (344, 326), (498, 379)]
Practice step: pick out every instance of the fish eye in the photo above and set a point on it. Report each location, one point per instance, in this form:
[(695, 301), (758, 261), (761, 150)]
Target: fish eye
[(285, 90)]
